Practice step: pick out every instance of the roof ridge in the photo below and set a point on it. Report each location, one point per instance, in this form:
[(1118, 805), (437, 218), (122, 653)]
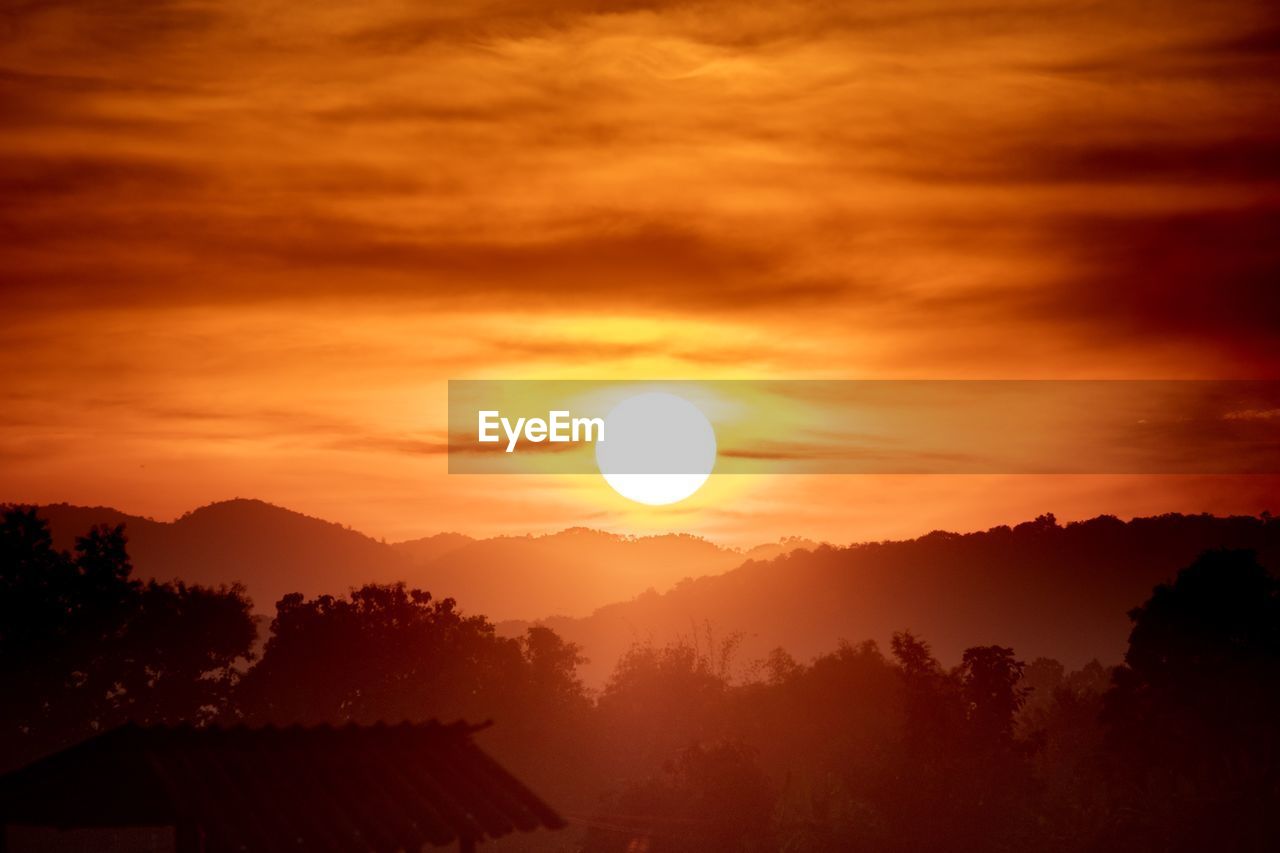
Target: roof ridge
[(434, 723)]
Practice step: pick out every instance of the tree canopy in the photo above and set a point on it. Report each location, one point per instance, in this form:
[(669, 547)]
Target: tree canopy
[(84, 646)]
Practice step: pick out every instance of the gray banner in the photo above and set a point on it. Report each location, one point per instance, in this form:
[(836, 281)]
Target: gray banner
[(864, 427)]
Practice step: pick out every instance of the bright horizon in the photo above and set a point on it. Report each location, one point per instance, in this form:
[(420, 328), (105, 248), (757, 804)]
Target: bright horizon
[(901, 532)]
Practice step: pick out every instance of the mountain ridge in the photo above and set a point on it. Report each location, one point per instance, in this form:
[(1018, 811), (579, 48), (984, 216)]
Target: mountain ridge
[(273, 551), (1045, 588), (1061, 591)]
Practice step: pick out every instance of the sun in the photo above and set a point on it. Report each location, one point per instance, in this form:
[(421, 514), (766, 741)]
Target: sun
[(658, 448)]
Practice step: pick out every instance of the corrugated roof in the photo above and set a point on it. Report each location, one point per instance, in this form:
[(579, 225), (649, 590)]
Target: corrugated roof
[(352, 788)]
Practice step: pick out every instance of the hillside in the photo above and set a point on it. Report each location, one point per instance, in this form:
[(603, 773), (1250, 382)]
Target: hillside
[(428, 548), (274, 551), (271, 550), (567, 573), (1043, 588)]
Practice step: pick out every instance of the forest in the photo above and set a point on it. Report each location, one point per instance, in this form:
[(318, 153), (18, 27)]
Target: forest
[(688, 746)]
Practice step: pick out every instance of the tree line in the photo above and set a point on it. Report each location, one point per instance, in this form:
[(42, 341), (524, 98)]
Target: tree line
[(686, 748)]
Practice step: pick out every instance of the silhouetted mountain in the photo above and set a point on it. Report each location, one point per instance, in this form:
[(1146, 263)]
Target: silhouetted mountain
[(783, 546), (1045, 589), (271, 550), (569, 573), (66, 522), (428, 548), (274, 551)]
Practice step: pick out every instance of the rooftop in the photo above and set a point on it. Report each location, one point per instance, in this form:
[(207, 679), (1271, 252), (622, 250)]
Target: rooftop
[(350, 788)]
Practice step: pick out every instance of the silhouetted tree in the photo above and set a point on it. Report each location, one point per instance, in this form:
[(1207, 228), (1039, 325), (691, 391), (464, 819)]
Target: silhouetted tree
[(961, 782), (1061, 723), (389, 653), (660, 700), (933, 706), (84, 646), (1193, 713), (993, 696), (553, 666), (830, 735), (712, 797)]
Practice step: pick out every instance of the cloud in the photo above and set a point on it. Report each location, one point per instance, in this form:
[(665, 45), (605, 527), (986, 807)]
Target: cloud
[(1253, 415), (701, 156), (1206, 276)]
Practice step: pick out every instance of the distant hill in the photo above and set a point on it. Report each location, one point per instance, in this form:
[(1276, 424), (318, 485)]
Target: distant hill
[(1043, 588), (428, 548), (567, 573), (271, 550), (274, 551)]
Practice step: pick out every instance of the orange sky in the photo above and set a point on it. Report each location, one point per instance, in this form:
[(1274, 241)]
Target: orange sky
[(245, 244)]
